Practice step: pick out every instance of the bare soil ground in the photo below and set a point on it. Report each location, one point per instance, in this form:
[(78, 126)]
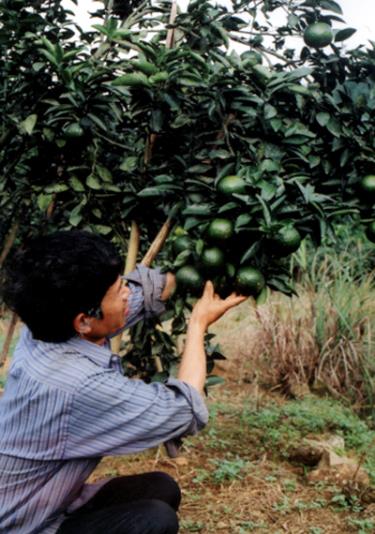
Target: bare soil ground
[(254, 492)]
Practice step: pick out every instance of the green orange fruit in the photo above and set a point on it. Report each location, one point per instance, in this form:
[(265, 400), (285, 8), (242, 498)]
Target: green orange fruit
[(231, 184), (220, 230), (213, 258), (367, 184), (286, 241), (73, 130), (182, 243), (370, 231), (318, 35), (189, 279), (249, 281)]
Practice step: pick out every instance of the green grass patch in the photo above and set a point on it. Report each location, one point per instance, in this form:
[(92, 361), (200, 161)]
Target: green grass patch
[(277, 428)]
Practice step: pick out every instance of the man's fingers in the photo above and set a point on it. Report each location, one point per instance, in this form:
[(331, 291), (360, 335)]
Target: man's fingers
[(208, 289), (233, 299)]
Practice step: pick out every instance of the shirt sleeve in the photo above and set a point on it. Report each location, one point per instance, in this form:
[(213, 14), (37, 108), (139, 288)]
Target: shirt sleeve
[(146, 286), (114, 415)]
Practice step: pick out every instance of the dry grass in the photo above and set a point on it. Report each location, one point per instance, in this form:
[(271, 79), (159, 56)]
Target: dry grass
[(319, 340)]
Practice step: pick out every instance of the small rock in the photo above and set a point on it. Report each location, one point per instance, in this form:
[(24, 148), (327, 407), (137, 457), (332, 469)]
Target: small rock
[(311, 451)]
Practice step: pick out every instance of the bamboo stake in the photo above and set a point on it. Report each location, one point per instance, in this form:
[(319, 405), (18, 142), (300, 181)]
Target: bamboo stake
[(157, 243), (171, 33), (9, 241), (131, 260), (147, 260), (162, 235), (8, 339)]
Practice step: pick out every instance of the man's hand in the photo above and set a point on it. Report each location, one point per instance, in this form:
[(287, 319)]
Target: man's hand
[(210, 307), (205, 312)]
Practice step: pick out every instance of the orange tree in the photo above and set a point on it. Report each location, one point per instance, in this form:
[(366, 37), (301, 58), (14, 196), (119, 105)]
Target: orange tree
[(108, 126)]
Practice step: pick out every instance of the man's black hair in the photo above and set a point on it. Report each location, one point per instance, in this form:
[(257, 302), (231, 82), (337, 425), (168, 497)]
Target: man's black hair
[(55, 277)]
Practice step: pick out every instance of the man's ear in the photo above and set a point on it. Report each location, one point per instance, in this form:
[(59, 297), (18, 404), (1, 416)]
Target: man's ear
[(82, 324)]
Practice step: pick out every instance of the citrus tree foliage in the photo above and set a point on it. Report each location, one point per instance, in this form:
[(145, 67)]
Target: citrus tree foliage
[(103, 127)]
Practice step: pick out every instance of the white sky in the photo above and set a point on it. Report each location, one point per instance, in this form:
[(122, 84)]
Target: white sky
[(359, 14)]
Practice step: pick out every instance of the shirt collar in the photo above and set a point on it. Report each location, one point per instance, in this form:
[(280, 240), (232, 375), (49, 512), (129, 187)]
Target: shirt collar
[(99, 354)]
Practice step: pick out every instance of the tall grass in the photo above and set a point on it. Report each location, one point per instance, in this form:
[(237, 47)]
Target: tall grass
[(324, 339)]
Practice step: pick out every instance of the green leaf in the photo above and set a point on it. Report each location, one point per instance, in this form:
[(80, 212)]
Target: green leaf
[(293, 21), (251, 252), (266, 212), (92, 182), (104, 173), (270, 111), (44, 201), (49, 56), (334, 127), (28, 125), (76, 184), (48, 44), (323, 118), (181, 258), (197, 209), (331, 6), (342, 35), (242, 220), (157, 191), (75, 216), (263, 296), (227, 207), (98, 122), (102, 229), (56, 188), (129, 164), (133, 79)]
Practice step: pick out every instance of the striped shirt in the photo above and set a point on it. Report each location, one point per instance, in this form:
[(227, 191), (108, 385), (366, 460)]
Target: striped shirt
[(65, 406)]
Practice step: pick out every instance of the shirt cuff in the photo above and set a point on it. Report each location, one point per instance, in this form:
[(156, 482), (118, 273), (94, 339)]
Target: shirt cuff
[(153, 283), (197, 403)]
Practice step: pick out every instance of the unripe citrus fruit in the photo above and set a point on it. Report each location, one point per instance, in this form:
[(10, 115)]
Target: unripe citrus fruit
[(73, 130), (231, 184), (179, 231), (189, 279), (367, 184), (220, 229), (182, 243), (286, 241), (249, 281), (213, 258), (370, 231), (318, 35)]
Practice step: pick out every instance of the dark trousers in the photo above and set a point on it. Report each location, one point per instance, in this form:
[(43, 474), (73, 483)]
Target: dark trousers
[(138, 504)]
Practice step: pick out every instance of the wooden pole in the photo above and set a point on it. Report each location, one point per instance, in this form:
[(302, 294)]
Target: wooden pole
[(157, 243), (9, 241), (8, 339), (163, 233), (131, 260), (171, 33)]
